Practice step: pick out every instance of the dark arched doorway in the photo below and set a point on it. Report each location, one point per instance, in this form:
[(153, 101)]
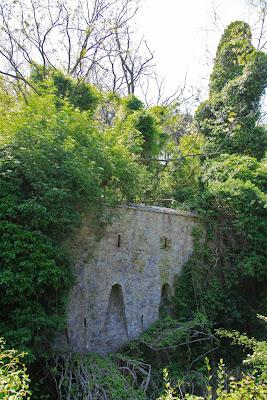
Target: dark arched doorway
[(115, 322), (165, 306)]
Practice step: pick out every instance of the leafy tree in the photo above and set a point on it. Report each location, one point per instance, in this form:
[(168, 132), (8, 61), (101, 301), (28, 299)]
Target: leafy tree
[(234, 201), (234, 51), (228, 118), (234, 184), (177, 171), (131, 103), (141, 125), (147, 126), (80, 94), (179, 178), (226, 277)]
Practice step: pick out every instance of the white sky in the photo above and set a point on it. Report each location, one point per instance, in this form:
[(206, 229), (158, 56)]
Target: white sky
[(181, 31)]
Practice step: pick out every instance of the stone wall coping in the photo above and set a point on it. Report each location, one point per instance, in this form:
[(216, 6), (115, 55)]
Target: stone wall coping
[(162, 210)]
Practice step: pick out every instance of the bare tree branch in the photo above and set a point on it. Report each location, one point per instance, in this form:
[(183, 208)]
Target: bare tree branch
[(88, 39)]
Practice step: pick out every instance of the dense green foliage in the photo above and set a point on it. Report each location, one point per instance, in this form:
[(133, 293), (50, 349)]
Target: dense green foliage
[(228, 118), (55, 165), (68, 150), (143, 125), (80, 94), (227, 273), (226, 277), (249, 385), (14, 381)]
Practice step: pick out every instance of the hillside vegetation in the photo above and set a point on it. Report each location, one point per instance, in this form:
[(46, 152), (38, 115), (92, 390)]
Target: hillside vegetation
[(69, 148)]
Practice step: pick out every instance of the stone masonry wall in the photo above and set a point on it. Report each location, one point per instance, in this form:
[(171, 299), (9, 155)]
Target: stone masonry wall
[(118, 289)]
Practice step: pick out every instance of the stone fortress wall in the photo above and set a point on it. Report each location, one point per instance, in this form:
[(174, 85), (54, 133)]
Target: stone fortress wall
[(119, 290)]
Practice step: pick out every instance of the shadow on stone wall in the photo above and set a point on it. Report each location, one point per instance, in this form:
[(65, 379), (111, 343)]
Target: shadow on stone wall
[(165, 306), (115, 330)]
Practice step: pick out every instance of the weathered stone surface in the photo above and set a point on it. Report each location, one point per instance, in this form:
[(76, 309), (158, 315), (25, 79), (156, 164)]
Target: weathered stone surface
[(123, 278)]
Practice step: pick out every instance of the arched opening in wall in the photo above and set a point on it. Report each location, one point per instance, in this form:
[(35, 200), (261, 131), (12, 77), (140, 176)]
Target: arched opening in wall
[(142, 323), (115, 322), (165, 306)]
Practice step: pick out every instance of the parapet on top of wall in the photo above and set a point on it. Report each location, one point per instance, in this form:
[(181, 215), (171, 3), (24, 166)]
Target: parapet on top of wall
[(157, 209), (123, 278)]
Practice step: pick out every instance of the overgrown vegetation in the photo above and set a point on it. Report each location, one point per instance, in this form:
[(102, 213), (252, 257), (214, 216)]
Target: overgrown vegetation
[(55, 165), (251, 384), (93, 376), (226, 277), (14, 381), (232, 195), (68, 149)]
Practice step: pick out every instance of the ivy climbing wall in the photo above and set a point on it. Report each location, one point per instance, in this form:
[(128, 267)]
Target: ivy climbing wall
[(123, 278)]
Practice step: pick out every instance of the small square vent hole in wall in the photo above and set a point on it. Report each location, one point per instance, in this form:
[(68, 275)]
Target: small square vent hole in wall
[(165, 243)]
